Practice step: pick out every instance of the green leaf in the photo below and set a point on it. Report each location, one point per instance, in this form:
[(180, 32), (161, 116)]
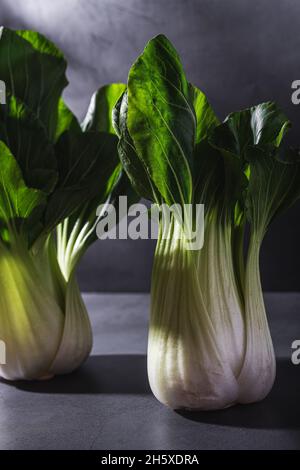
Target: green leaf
[(123, 187), (66, 120), (99, 114), (86, 162), (259, 125), (268, 124), (132, 164), (219, 179), (118, 185), (25, 135), (161, 119), (205, 116), (33, 70), (274, 185), (105, 193), (17, 201)]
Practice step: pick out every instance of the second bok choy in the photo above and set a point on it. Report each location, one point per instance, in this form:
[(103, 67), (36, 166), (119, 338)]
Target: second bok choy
[(209, 341), (53, 175)]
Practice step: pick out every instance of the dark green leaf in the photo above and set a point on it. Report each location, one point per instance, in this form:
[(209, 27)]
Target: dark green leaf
[(132, 164), (161, 119), (86, 163), (66, 120), (33, 70), (219, 179), (99, 114), (274, 185), (17, 201), (120, 186), (205, 116), (25, 135), (260, 125)]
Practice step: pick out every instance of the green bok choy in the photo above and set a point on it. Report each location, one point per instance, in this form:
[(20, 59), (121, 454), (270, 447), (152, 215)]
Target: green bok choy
[(209, 341), (53, 175)]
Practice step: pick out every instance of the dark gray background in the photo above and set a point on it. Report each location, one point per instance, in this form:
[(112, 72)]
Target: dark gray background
[(240, 52)]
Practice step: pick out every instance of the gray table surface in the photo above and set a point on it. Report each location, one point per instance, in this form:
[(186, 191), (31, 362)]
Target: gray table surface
[(107, 403)]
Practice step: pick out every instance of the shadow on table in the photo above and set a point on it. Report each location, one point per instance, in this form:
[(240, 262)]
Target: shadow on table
[(111, 374), (281, 408), (127, 374)]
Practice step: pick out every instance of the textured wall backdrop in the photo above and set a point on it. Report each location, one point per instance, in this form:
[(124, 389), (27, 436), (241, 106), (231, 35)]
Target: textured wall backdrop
[(239, 52)]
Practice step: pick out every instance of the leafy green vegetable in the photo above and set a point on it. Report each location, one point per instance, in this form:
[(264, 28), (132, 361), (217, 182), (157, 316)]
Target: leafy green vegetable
[(53, 175), (209, 341), (33, 70)]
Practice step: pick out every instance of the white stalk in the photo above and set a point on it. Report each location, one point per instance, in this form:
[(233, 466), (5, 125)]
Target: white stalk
[(31, 320), (207, 349), (76, 342), (259, 365), (43, 323), (220, 291), (188, 366)]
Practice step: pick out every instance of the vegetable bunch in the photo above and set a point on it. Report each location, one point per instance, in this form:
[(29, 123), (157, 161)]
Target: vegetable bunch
[(209, 341), (53, 175)]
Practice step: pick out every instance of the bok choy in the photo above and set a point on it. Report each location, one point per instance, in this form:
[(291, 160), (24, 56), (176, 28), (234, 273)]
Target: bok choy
[(209, 342), (53, 175)]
